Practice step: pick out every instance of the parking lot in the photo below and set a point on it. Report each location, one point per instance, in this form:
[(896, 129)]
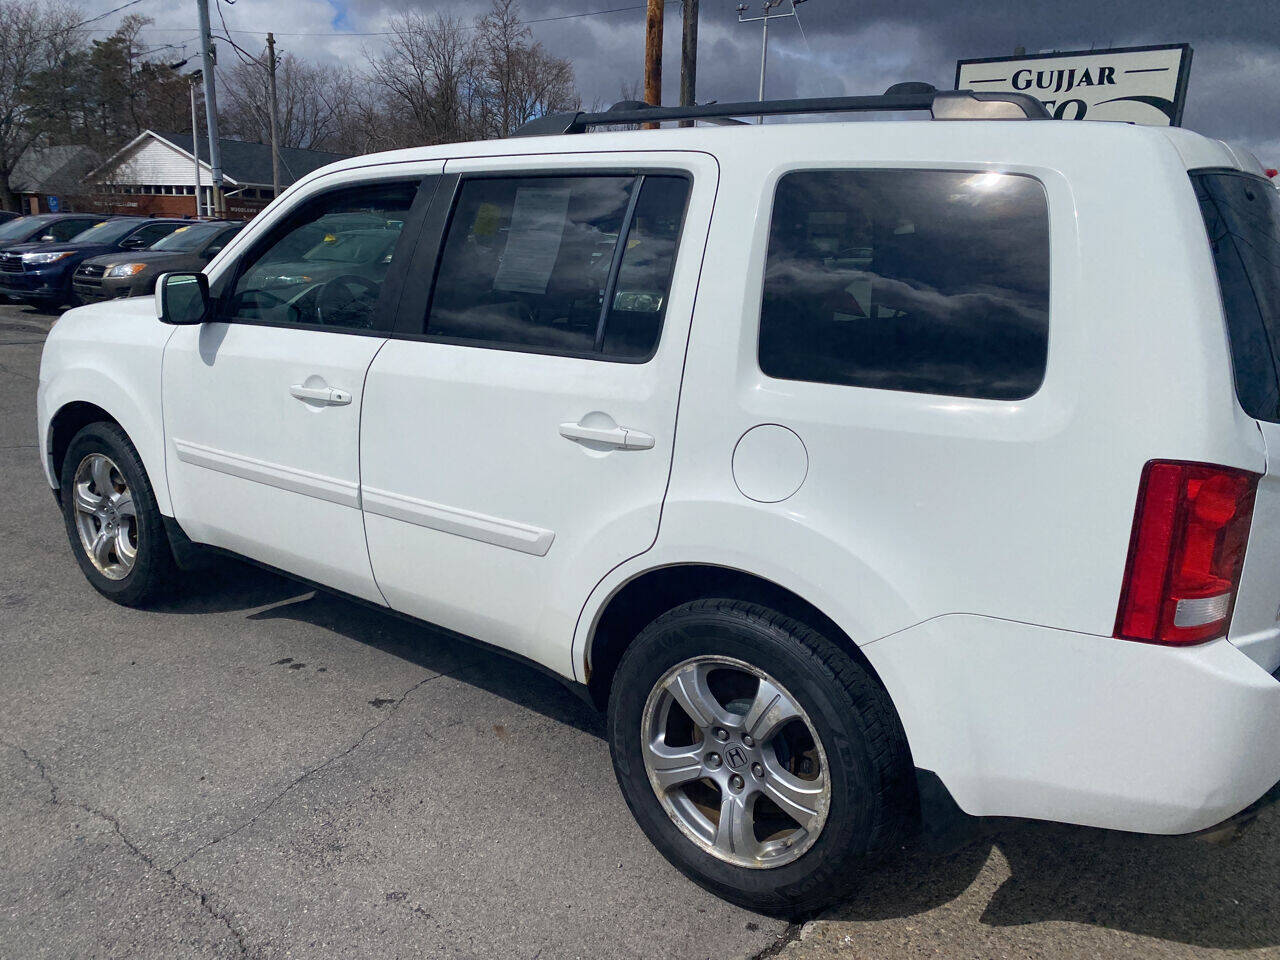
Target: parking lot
[(258, 770)]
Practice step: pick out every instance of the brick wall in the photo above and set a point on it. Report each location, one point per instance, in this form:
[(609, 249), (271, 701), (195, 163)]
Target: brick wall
[(161, 205)]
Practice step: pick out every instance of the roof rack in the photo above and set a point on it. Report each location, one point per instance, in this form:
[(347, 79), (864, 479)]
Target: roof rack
[(942, 105)]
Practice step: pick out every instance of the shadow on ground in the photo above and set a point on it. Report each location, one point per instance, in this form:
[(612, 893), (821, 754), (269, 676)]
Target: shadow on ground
[(227, 585), (1173, 888)]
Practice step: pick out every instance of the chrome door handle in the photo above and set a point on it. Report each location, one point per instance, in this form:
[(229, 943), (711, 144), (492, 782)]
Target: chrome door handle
[(620, 438), (329, 396)]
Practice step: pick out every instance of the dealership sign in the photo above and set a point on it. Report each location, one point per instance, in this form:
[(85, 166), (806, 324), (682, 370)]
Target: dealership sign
[(1130, 84)]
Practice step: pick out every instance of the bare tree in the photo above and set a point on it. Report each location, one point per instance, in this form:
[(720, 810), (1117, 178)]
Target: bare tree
[(35, 36), (523, 81), (430, 79), (443, 80), (313, 98)]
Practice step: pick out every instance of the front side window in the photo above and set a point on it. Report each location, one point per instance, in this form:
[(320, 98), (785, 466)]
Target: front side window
[(926, 281), (325, 265), (570, 265), (188, 238), (150, 234)]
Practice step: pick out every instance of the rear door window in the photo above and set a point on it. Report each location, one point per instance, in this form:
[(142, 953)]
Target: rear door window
[(1242, 217), (64, 230), (926, 281), (579, 266)]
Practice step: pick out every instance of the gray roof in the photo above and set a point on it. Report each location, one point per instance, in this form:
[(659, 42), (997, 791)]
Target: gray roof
[(246, 162), (54, 169)]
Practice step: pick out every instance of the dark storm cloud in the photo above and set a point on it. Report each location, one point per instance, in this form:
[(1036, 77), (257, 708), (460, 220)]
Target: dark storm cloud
[(865, 46)]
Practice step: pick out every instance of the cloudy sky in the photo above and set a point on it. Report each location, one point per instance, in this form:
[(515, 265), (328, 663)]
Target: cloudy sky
[(838, 47)]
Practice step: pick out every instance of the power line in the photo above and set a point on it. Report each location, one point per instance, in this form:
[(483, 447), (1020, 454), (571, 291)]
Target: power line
[(391, 33), (103, 16)]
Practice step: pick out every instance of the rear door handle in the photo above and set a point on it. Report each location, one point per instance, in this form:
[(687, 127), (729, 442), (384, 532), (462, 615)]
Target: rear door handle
[(620, 438), (329, 396)]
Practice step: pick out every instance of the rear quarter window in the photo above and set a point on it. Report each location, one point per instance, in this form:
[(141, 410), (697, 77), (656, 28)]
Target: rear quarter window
[(1242, 219), (926, 281)]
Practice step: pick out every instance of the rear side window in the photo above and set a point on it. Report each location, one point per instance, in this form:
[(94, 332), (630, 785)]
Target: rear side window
[(920, 280), (66, 229), (1242, 217), (579, 266)]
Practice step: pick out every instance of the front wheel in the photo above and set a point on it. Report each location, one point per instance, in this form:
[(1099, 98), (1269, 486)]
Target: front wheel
[(758, 757), (112, 520)]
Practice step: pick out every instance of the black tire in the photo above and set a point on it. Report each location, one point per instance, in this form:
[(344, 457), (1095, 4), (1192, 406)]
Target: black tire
[(152, 574), (872, 801)]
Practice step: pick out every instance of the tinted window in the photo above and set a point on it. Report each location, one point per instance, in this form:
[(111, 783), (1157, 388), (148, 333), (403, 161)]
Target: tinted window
[(928, 281), (189, 237), (64, 230), (1242, 216), (530, 263), (151, 233), (326, 263)]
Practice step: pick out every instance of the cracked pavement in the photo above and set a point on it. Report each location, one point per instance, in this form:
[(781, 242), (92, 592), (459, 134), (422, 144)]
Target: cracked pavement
[(257, 770)]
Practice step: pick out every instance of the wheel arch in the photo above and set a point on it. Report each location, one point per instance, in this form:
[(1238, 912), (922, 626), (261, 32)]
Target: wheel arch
[(85, 397), (69, 420), (642, 598)]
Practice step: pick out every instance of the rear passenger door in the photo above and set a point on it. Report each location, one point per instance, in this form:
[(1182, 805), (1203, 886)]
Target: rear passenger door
[(517, 432)]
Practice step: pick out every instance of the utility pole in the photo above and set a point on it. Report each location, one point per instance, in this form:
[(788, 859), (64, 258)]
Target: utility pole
[(653, 56), (275, 115), (764, 40), (689, 57), (195, 147), (211, 108)]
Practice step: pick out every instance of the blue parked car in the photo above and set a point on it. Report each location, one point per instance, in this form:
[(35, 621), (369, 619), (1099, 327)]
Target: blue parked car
[(40, 273)]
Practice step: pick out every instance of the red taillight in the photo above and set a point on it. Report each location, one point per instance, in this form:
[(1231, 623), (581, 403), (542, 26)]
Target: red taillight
[(1186, 552)]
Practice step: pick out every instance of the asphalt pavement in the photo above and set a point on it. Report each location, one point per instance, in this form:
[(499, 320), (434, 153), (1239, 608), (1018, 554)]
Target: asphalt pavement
[(258, 770)]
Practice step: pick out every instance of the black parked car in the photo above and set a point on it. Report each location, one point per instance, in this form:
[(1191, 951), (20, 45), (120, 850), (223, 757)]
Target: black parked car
[(40, 273), (45, 227), (187, 250), (7, 215)]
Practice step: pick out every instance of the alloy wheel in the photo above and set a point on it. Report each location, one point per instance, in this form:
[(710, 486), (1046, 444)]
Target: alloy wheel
[(106, 517), (735, 761)]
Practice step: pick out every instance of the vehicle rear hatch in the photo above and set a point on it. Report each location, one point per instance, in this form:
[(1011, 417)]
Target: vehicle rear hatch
[(1242, 216)]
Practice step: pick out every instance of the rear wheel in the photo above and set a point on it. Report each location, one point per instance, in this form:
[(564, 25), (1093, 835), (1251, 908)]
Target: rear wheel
[(112, 521), (759, 757)]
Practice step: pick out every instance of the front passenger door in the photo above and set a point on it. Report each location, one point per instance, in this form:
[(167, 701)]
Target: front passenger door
[(262, 406)]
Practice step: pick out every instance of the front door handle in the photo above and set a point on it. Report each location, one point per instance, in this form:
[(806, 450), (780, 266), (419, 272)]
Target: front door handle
[(620, 438), (329, 396)]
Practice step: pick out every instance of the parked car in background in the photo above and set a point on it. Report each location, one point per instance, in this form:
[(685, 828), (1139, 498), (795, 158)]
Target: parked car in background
[(116, 275), (45, 228), (40, 273), (7, 215)]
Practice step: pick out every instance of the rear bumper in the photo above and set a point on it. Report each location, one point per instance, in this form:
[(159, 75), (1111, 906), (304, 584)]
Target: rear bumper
[(1025, 721)]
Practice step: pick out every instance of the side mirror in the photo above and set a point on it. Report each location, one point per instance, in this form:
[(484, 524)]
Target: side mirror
[(134, 243), (183, 298)]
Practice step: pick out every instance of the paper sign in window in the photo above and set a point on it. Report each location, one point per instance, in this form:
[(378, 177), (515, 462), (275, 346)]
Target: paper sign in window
[(533, 240)]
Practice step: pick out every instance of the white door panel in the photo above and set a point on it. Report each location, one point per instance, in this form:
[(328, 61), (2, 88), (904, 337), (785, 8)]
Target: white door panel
[(259, 470), (500, 486)]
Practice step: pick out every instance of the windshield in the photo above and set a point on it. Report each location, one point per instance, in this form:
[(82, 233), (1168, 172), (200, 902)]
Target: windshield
[(22, 227), (1242, 216), (354, 246), (188, 238), (108, 231)]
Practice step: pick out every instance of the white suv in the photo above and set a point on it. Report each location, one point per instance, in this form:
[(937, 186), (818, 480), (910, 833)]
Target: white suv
[(860, 469)]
